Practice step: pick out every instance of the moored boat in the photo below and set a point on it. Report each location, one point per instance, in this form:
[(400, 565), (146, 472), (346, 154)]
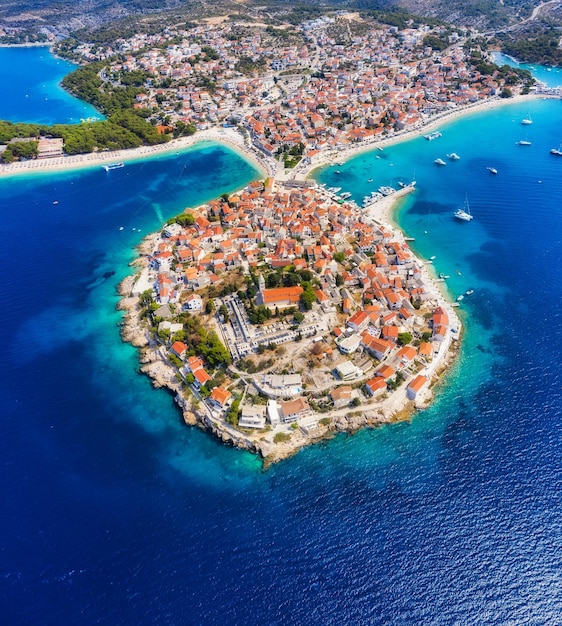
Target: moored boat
[(463, 213), (113, 166), (453, 156), (386, 191), (439, 162)]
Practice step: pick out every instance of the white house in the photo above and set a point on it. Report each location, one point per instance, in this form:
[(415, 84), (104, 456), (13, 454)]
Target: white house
[(252, 416), (193, 302)]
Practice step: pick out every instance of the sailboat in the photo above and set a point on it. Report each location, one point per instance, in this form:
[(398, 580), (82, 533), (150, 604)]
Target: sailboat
[(527, 121), (463, 213)]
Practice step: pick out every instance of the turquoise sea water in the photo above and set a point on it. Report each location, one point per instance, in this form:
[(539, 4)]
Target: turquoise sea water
[(114, 512), (550, 76), (31, 88)]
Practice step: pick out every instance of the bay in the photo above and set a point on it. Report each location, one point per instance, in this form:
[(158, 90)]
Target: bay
[(31, 79)]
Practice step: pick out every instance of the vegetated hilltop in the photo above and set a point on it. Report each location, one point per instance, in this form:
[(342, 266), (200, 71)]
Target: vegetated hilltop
[(530, 30), (65, 16), (481, 14), (70, 15)]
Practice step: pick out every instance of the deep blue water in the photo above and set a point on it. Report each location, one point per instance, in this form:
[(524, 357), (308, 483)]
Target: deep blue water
[(31, 88), (114, 512)]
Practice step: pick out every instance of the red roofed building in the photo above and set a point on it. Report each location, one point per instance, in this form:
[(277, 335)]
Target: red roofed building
[(179, 348), (390, 333), (375, 386), (440, 317), (378, 348), (406, 355), (425, 350), (201, 377), (415, 386), (385, 371), (359, 321), (281, 297), (220, 397)]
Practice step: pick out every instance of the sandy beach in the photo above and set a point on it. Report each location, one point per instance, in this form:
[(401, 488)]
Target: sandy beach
[(226, 136)]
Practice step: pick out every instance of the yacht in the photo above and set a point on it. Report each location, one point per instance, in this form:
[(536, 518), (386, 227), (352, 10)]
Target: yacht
[(527, 121), (453, 156), (433, 135), (523, 142), (463, 213), (439, 162), (113, 166), (557, 151), (492, 170), (386, 191), (345, 195)]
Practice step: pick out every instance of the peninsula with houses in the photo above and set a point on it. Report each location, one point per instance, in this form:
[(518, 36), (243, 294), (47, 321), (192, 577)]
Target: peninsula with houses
[(282, 314)]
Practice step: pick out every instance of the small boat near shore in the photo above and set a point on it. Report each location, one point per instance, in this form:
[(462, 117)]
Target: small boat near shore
[(431, 136), (385, 190), (113, 166), (460, 298), (469, 292)]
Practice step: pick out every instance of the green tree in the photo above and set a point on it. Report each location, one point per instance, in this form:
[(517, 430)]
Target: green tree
[(404, 338), (308, 297)]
